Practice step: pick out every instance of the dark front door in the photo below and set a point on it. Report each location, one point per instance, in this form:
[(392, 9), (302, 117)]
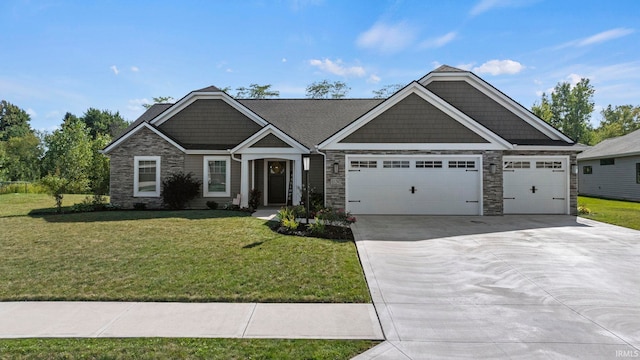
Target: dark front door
[(277, 182)]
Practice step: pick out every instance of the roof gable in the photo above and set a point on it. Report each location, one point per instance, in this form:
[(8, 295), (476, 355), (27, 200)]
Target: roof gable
[(492, 108), (413, 99), (272, 140), (136, 129)]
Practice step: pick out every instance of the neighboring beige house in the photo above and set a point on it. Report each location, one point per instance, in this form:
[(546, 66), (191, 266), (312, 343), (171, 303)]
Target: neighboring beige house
[(611, 169), (449, 143)]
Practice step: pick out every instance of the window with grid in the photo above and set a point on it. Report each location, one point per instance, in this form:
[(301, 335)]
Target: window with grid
[(146, 176), (216, 176), (548, 164), (517, 165), (462, 164), (364, 164), (428, 164), (395, 164)]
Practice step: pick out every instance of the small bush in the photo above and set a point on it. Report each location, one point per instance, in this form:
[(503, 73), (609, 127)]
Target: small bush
[(140, 206), (334, 217), (254, 198), (583, 210), (95, 202), (287, 216), (317, 227), (178, 189), (212, 204)]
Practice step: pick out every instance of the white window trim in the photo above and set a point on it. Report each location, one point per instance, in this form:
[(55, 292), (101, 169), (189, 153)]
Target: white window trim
[(205, 176), (136, 173)]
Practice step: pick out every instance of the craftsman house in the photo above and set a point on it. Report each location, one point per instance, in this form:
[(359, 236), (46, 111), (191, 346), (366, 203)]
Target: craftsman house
[(449, 143)]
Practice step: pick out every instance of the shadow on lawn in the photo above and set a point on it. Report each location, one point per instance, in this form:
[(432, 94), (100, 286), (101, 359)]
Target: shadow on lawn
[(50, 215)]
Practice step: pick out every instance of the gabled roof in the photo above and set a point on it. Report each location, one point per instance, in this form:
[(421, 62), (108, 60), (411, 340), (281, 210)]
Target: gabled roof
[(626, 145), (447, 68), (310, 121)]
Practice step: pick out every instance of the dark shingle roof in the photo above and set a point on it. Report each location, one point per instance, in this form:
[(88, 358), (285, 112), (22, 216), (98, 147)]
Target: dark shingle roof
[(447, 68), (626, 145), (310, 121), (150, 114)]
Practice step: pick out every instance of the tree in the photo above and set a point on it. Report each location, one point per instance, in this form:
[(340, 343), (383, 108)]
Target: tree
[(69, 154), (325, 89), (387, 91), (617, 121), (255, 91), (99, 174), (569, 109), (103, 122), (158, 100), (14, 122), (22, 157)]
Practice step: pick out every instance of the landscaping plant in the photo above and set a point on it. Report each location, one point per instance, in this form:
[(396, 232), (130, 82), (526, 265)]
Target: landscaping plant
[(178, 189)]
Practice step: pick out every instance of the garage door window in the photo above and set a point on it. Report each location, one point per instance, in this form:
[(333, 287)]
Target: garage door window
[(395, 164), (462, 164), (428, 164), (587, 170), (517, 165), (548, 164), (364, 164)]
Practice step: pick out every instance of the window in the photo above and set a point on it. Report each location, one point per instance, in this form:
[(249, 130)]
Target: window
[(548, 164), (364, 164), (587, 170), (146, 179), (516, 165), (637, 173), (462, 164), (609, 161), (395, 164), (217, 176), (428, 164)]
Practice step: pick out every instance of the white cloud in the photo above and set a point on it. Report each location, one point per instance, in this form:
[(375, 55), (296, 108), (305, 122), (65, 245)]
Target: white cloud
[(337, 68), (114, 69), (605, 36), (485, 5), (574, 79), (373, 79), (135, 69), (32, 113), (284, 60), (499, 67), (439, 41), (387, 38), (467, 67), (136, 104)]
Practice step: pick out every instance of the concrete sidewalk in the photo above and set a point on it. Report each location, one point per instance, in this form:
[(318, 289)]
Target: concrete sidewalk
[(206, 320)]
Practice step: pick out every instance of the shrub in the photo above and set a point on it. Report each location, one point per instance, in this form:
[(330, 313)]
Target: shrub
[(316, 201), (317, 227), (583, 210), (56, 187), (335, 217), (212, 205), (95, 202), (254, 198), (178, 189), (140, 206), (287, 216)]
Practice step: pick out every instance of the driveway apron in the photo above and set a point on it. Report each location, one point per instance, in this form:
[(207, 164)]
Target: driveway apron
[(502, 287)]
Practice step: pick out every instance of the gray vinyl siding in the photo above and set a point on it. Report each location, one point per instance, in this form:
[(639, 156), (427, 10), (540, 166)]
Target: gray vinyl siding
[(413, 120), (486, 111), (194, 164), (616, 181), (316, 174), (212, 123)]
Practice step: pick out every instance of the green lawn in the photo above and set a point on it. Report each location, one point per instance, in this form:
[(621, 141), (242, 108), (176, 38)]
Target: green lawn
[(158, 348), (622, 213), (198, 256)]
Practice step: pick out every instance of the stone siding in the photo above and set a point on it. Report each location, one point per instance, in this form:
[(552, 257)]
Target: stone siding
[(143, 143)]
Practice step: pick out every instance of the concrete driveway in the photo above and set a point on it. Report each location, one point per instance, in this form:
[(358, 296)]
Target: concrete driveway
[(502, 287)]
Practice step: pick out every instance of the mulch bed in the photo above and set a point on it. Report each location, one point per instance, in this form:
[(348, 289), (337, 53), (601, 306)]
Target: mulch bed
[(331, 232)]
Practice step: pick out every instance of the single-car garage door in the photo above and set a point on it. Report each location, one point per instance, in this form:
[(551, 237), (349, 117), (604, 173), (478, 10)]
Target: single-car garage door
[(535, 185), (426, 185)]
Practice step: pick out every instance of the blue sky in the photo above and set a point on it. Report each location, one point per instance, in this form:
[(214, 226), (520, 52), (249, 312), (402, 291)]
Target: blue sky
[(63, 56)]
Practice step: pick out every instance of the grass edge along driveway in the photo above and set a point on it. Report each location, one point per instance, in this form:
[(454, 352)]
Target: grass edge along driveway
[(616, 212)]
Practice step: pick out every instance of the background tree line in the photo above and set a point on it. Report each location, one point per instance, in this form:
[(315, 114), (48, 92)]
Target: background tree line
[(69, 157)]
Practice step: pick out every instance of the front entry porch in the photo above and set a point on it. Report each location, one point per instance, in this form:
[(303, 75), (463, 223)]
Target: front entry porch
[(277, 176)]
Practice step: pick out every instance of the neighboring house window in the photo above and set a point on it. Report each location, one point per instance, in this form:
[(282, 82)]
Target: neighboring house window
[(637, 173), (146, 179), (609, 161), (217, 176), (588, 170)]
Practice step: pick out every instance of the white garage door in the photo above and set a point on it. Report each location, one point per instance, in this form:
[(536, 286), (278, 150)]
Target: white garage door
[(429, 185), (535, 185)]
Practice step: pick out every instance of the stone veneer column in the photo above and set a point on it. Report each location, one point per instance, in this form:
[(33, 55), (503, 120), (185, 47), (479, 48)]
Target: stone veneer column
[(492, 184), (336, 190)]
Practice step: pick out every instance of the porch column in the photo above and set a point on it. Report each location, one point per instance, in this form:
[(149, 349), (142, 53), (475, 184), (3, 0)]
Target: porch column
[(297, 180), (244, 182)]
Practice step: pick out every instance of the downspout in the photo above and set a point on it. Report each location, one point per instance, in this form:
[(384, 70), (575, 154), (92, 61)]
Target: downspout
[(324, 183)]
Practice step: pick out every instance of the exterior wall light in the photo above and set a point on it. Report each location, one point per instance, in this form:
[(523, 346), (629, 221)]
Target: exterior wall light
[(492, 168), (336, 167)]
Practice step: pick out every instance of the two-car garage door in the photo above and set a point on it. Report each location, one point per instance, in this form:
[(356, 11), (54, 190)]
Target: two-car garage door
[(429, 185)]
